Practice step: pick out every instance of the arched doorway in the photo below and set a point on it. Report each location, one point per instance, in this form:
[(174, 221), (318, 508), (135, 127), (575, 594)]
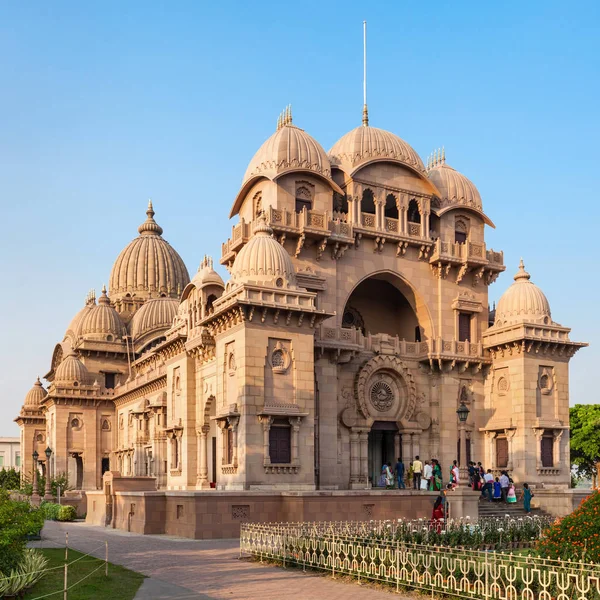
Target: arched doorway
[(384, 447)]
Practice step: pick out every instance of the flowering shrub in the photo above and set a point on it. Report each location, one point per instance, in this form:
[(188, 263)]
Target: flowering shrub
[(576, 536)]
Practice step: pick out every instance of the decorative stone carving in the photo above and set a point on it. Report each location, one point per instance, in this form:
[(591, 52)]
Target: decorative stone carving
[(424, 420), (391, 371)]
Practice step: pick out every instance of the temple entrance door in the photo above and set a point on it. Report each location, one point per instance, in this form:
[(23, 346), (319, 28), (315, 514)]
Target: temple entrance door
[(382, 448)]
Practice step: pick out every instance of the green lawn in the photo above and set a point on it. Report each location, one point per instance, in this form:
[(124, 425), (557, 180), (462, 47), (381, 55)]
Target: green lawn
[(121, 583)]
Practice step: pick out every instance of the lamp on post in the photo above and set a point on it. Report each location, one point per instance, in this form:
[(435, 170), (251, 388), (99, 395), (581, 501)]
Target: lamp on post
[(463, 415), (35, 497), (48, 490)]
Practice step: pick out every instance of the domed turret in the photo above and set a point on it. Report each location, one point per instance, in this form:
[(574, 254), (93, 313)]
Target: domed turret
[(453, 186), (523, 302), (263, 260), (289, 149), (35, 395), (206, 275), (366, 144), (148, 267), (74, 329), (71, 372), (102, 322), (152, 320)]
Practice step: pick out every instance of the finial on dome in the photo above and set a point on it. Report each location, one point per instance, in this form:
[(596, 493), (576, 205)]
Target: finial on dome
[(150, 226), (103, 298), (443, 155), (261, 225), (38, 382), (279, 124), (365, 114), (522, 274)]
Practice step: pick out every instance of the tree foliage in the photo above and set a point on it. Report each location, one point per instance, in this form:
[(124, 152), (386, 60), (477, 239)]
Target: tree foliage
[(10, 479), (585, 438)]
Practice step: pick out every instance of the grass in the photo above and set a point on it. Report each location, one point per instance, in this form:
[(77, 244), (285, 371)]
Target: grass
[(121, 583)]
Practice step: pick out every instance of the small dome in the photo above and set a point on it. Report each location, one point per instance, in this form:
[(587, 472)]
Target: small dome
[(154, 317), (288, 149), (71, 371), (102, 322), (522, 302), (35, 395), (206, 275), (453, 186), (263, 260), (367, 144), (74, 329), (148, 267)]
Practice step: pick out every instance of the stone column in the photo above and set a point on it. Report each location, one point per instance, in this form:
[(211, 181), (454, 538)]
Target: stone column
[(364, 457), (406, 450), (202, 437), (539, 434), (510, 434), (558, 433), (396, 446), (354, 457), (416, 440), (295, 423), (266, 423)]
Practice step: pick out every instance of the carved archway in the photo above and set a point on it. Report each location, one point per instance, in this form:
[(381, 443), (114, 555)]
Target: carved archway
[(385, 389)]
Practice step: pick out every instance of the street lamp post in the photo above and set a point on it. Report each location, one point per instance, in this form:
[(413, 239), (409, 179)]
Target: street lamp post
[(35, 497), (463, 415), (48, 490)]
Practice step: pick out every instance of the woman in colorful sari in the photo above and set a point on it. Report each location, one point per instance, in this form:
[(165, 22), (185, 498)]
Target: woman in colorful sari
[(454, 474), (437, 517), (437, 476)]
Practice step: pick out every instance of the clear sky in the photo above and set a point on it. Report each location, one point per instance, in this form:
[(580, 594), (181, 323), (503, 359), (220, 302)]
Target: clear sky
[(104, 105)]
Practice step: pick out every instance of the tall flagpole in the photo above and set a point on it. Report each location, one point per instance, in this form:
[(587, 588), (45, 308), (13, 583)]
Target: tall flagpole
[(365, 117)]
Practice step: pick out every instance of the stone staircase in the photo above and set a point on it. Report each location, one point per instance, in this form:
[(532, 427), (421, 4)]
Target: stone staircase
[(500, 510)]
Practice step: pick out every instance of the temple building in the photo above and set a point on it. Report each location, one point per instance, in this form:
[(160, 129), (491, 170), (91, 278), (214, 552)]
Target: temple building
[(353, 324)]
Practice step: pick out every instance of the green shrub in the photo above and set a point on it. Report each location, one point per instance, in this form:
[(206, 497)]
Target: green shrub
[(10, 479), (576, 536), (50, 510), (29, 571), (17, 521), (66, 513)]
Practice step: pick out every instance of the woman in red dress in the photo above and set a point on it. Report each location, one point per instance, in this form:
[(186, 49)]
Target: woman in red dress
[(437, 517)]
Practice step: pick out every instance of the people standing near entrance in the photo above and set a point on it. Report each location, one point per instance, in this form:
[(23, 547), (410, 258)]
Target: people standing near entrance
[(472, 480), (399, 468), (488, 486), (511, 496), (497, 490), (504, 484), (527, 496), (427, 473), (454, 474), (437, 475), (389, 476), (417, 468)]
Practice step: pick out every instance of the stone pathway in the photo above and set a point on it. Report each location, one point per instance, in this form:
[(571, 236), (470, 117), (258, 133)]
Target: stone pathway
[(179, 568)]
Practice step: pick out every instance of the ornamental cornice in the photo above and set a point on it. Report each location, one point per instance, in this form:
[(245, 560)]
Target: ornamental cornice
[(145, 388)]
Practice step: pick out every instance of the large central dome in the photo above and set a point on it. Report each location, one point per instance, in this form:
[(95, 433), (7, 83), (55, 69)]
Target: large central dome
[(148, 267), (367, 144)]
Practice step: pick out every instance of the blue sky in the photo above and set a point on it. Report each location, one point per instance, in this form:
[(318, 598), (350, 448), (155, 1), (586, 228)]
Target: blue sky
[(104, 105)]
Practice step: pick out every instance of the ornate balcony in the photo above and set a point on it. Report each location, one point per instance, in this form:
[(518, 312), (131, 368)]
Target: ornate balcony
[(443, 354), (469, 257)]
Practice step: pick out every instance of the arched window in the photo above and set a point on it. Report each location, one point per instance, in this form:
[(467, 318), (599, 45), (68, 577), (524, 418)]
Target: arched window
[(367, 203), (414, 216), (340, 203), (303, 199), (461, 231), (257, 204), (391, 208), (417, 334), (209, 304)]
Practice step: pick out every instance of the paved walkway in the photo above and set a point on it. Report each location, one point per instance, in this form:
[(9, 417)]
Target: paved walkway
[(181, 569)]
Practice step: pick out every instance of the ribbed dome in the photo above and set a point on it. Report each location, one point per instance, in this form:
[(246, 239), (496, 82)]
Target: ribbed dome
[(453, 186), (74, 329), (155, 316), (71, 371), (365, 144), (102, 321), (523, 302), (206, 275), (263, 260), (148, 266), (35, 395), (288, 149)]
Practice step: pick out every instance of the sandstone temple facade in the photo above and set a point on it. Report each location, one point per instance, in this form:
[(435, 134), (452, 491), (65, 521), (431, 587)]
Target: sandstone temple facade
[(353, 324)]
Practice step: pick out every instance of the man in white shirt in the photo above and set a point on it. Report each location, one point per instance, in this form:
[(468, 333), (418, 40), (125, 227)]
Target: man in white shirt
[(504, 484), (488, 478), (427, 473)]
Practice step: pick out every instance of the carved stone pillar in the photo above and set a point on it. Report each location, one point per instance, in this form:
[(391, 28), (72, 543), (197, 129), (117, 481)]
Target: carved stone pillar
[(558, 433), (295, 423), (491, 455), (404, 217), (234, 422), (266, 423), (510, 434), (202, 437), (364, 457), (354, 457), (396, 446), (406, 450), (539, 434), (416, 441)]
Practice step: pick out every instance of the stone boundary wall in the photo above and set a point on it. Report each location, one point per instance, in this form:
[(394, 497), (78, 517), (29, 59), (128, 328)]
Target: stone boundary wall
[(558, 503), (208, 515)]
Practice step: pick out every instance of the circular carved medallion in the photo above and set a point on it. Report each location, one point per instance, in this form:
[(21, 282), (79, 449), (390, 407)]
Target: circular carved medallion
[(382, 396)]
